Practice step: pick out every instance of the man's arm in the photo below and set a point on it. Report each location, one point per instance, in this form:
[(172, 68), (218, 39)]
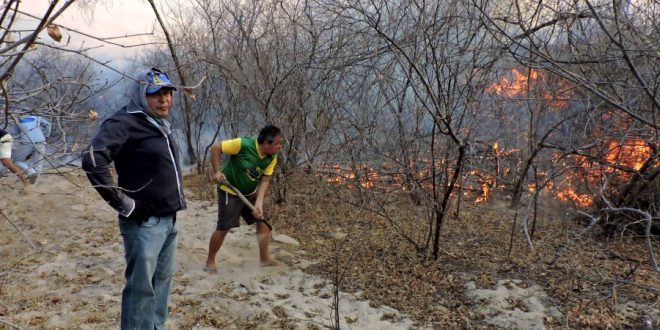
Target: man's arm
[(12, 167), (264, 183), (228, 147), (216, 154), (96, 162)]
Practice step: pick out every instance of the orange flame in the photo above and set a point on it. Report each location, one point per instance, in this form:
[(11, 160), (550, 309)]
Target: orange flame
[(514, 87), (631, 153), (569, 195), (521, 82), (485, 191)]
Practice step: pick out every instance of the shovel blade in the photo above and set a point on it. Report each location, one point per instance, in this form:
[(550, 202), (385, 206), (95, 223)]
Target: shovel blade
[(286, 239)]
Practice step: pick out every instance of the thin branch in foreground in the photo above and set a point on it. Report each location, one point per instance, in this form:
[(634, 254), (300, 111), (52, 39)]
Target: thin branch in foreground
[(558, 254), (647, 218), (13, 326), (19, 230)]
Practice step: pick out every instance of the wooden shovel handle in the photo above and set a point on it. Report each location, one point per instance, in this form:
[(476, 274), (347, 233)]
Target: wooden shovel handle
[(245, 200), (239, 194)]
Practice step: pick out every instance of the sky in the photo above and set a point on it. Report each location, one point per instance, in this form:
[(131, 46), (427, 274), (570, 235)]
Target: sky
[(110, 18)]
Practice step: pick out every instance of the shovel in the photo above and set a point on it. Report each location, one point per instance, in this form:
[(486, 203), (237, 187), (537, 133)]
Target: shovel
[(281, 237)]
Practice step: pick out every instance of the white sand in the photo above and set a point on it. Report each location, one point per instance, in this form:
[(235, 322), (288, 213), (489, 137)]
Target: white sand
[(511, 306), (75, 278)]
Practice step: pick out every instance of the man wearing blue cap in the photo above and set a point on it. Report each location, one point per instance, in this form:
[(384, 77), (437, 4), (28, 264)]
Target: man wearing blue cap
[(148, 193)]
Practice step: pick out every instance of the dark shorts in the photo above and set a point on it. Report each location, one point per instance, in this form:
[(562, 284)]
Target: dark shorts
[(231, 208)]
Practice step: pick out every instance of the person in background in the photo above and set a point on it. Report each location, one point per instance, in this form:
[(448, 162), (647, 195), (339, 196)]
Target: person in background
[(6, 141), (148, 193), (31, 146), (251, 163)]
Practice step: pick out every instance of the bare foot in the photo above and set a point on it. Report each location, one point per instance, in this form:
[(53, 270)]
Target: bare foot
[(210, 269), (268, 263)]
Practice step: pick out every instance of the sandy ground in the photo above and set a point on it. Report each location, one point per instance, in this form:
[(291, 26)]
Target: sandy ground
[(73, 276)]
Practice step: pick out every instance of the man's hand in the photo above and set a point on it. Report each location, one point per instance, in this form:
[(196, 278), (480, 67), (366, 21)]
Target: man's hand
[(218, 177), (142, 212), (23, 178), (12, 167), (258, 211)]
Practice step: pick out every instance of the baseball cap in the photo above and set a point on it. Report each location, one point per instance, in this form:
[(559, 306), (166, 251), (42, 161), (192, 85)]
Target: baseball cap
[(156, 80)]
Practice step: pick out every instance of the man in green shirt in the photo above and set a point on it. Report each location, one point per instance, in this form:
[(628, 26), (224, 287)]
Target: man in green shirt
[(251, 163)]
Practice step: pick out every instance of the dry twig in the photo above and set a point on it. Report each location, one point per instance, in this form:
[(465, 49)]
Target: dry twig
[(19, 230), (13, 326), (646, 217)]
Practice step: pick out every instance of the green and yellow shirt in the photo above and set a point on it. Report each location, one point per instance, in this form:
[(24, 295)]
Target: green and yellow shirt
[(246, 165)]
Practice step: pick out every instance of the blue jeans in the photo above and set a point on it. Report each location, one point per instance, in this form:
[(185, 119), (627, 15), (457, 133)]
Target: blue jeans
[(149, 250)]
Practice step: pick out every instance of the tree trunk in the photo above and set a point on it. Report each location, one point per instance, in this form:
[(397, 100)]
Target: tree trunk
[(187, 107)]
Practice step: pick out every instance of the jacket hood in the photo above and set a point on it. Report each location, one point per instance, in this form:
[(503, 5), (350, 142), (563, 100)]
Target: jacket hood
[(138, 93)]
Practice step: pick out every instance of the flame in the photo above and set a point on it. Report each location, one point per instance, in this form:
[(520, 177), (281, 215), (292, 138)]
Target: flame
[(366, 177), (557, 99), (514, 87), (631, 153), (569, 195), (479, 186), (531, 187), (485, 191), (522, 82), (617, 156)]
